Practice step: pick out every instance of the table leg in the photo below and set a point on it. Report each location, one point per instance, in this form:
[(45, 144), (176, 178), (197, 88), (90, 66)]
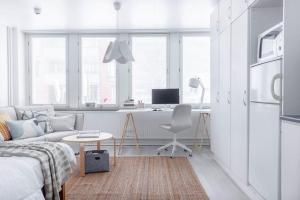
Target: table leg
[(98, 145), (124, 132), (114, 151), (82, 160), (135, 132)]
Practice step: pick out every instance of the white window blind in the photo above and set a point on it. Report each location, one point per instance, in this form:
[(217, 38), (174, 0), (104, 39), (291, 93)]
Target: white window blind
[(48, 70), (149, 71), (98, 79), (196, 63)]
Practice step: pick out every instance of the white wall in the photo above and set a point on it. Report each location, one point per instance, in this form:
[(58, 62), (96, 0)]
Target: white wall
[(147, 124)]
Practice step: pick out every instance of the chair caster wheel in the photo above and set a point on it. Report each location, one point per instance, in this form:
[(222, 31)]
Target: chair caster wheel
[(191, 155), (166, 149), (158, 153), (172, 157), (184, 150)]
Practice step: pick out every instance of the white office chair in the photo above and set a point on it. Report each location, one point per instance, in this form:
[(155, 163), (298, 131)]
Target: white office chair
[(181, 120)]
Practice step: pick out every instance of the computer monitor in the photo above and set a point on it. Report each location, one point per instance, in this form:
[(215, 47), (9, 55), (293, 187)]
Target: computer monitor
[(165, 96)]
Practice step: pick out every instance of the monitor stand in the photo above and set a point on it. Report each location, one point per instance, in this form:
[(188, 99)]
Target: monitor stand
[(156, 109)]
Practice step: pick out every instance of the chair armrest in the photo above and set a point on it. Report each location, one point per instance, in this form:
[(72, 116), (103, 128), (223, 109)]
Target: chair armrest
[(79, 119)]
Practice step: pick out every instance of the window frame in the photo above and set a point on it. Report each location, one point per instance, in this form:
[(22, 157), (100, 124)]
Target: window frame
[(29, 66), (167, 36), (203, 34), (80, 103)]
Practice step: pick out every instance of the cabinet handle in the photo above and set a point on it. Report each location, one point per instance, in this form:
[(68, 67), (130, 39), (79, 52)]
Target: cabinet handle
[(245, 98), (217, 98), (229, 12), (228, 98)]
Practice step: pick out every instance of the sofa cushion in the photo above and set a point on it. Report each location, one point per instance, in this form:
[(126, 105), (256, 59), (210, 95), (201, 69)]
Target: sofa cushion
[(20, 110), (58, 136), (21, 129), (63, 123), (41, 113), (9, 111), (4, 131)]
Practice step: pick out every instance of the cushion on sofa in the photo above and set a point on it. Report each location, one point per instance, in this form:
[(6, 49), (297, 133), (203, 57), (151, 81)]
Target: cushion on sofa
[(58, 136), (4, 131), (1, 138), (41, 113), (20, 129), (21, 109), (10, 111), (63, 123)]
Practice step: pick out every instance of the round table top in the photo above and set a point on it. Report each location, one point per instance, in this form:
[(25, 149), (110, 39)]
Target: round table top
[(102, 136)]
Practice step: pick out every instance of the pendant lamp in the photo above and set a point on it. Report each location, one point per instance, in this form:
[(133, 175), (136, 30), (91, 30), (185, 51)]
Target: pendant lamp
[(118, 50)]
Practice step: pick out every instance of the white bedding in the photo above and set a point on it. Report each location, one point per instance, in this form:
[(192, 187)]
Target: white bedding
[(21, 177)]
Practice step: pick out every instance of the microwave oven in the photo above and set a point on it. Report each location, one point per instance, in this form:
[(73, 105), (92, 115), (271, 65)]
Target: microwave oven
[(270, 43)]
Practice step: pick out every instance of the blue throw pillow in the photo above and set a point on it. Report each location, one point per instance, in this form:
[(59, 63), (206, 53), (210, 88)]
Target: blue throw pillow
[(21, 129)]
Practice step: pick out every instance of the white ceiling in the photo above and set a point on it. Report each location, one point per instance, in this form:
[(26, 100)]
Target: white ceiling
[(100, 14)]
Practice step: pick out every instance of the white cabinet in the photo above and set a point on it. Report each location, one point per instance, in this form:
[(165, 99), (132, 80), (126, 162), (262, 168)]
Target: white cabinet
[(238, 7), (290, 161), (214, 23), (215, 78), (239, 97), (223, 137), (224, 14)]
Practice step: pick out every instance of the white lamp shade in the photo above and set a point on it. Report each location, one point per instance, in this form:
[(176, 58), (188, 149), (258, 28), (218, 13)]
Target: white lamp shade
[(194, 83), (118, 51)]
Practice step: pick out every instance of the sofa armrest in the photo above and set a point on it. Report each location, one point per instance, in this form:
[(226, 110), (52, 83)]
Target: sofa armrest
[(79, 120)]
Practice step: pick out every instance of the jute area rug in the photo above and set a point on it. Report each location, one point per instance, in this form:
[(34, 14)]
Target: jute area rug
[(139, 178)]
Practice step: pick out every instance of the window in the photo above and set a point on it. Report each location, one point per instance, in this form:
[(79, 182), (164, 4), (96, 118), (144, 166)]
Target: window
[(196, 63), (98, 79), (48, 70), (4, 85), (149, 71)]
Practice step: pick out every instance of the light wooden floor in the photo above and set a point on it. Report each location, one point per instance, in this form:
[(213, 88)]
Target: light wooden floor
[(216, 183)]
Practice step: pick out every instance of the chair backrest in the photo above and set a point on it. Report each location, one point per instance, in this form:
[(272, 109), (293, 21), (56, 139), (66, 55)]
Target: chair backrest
[(181, 118)]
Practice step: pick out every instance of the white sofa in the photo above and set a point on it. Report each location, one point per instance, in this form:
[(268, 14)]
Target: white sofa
[(51, 137)]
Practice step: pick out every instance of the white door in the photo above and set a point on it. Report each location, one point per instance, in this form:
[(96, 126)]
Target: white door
[(239, 99), (215, 80), (290, 161), (214, 23), (224, 14), (223, 137), (238, 7), (264, 149)]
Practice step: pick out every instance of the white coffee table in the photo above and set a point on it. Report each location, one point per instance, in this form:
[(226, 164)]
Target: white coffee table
[(82, 141)]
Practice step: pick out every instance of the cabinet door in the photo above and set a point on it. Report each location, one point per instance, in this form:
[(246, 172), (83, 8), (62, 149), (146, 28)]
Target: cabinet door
[(215, 89), (224, 14), (239, 99), (250, 2), (214, 22), (290, 161), (238, 7), (224, 120)]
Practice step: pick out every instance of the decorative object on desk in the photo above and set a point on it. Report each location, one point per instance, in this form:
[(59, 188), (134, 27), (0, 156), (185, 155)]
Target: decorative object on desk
[(88, 134), (118, 50), (195, 83), (140, 104), (90, 104), (129, 104)]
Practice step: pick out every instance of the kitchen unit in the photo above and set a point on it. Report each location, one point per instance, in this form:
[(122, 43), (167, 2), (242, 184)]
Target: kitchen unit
[(245, 118)]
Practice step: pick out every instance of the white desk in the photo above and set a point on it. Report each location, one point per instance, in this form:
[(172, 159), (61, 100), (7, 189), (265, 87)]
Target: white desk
[(204, 114)]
